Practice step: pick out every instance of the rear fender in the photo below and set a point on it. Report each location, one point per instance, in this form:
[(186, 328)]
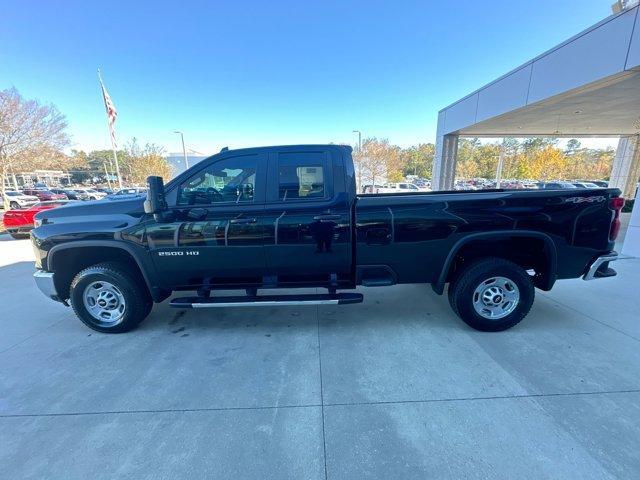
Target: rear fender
[(550, 250)]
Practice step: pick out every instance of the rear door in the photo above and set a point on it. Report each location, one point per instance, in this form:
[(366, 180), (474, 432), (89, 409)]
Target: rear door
[(309, 234)]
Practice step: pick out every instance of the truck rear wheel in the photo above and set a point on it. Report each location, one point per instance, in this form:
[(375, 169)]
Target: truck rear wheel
[(492, 294), (109, 298)]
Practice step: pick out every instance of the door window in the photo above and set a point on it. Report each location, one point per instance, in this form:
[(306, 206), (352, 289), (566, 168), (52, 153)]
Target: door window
[(227, 181), (301, 177)]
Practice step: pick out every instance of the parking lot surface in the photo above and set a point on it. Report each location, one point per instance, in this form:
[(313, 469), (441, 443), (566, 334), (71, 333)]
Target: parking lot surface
[(396, 387)]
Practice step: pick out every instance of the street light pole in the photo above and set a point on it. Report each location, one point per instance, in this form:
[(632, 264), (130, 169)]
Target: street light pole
[(359, 139), (184, 150)]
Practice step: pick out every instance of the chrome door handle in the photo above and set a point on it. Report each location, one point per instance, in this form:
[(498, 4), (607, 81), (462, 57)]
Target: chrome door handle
[(242, 220)]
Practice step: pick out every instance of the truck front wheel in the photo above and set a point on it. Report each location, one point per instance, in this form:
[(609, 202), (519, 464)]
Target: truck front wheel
[(492, 294), (108, 298)]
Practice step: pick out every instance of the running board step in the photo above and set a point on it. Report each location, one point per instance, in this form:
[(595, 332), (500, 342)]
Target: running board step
[(267, 300)]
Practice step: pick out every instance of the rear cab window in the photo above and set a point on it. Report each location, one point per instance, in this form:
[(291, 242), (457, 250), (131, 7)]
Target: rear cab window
[(302, 176)]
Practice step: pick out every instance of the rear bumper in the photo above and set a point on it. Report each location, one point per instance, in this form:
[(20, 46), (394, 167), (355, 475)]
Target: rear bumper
[(600, 267), (45, 283)]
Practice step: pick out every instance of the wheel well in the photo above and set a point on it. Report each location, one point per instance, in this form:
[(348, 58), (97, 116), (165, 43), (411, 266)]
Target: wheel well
[(68, 262), (531, 253)]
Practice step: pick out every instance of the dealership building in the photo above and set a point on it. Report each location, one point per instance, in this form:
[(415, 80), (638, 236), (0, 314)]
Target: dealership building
[(587, 86)]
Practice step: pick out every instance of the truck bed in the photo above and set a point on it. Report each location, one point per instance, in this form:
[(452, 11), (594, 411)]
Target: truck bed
[(414, 233)]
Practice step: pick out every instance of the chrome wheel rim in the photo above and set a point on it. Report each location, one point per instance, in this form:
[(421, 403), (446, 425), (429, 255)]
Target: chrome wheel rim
[(104, 302), (495, 298)]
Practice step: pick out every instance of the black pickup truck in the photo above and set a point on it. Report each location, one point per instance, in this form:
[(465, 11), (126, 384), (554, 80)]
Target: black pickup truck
[(289, 217)]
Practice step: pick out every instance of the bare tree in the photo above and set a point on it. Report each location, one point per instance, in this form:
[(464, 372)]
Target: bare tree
[(28, 130)]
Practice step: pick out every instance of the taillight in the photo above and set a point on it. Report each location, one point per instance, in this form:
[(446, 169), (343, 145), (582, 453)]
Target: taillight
[(616, 205)]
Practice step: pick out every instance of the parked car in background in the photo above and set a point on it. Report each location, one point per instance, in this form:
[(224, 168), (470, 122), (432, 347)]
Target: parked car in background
[(15, 200), (74, 194), (19, 222), (106, 191), (44, 195), (586, 185), (555, 185), (66, 192), (423, 184), (369, 188), (92, 193), (600, 183), (129, 192), (399, 188), (463, 185)]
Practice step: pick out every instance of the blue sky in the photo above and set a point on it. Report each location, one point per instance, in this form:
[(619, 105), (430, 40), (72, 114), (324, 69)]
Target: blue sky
[(242, 73)]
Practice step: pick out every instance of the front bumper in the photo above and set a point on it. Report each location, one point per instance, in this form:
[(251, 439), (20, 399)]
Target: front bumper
[(600, 267), (18, 228), (45, 283)]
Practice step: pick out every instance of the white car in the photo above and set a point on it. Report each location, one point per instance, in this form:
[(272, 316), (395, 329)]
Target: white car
[(16, 200), (93, 194), (129, 192), (399, 188)]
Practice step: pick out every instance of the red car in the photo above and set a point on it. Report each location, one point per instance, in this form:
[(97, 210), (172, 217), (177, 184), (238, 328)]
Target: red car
[(44, 195), (19, 222)]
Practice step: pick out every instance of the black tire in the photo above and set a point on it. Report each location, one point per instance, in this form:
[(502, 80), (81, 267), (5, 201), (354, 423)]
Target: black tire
[(136, 299), (19, 236), (462, 293), (14, 205)]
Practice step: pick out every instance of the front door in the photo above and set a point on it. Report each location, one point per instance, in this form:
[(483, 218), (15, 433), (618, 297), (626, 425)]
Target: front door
[(309, 233), (215, 231)]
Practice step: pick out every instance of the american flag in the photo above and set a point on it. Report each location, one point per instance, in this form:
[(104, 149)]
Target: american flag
[(112, 113)]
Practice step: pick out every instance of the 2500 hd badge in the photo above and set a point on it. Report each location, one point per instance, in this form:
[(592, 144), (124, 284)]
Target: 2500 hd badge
[(178, 253)]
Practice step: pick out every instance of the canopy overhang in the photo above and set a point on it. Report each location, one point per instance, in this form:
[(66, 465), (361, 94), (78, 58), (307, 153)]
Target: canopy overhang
[(587, 86)]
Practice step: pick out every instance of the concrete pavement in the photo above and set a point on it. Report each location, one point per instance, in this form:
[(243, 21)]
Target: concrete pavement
[(397, 387)]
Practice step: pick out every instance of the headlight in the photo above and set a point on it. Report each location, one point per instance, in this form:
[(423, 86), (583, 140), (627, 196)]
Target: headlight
[(37, 222)]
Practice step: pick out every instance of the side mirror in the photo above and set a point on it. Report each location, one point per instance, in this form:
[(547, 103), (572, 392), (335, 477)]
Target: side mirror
[(155, 203)]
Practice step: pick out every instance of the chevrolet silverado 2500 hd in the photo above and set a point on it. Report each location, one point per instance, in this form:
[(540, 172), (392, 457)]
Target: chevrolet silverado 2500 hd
[(289, 217)]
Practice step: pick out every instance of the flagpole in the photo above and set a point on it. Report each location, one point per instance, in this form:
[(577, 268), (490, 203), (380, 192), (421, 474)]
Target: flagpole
[(113, 145), (115, 156), (106, 172)]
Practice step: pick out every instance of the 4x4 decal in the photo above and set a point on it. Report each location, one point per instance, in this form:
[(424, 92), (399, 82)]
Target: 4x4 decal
[(598, 198)]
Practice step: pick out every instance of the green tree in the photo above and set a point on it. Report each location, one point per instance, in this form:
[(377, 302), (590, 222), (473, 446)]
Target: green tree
[(418, 160), (378, 161), (572, 146), (139, 162)]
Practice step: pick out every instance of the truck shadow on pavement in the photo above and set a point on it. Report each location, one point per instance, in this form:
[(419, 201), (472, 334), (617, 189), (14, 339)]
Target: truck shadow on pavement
[(401, 305)]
